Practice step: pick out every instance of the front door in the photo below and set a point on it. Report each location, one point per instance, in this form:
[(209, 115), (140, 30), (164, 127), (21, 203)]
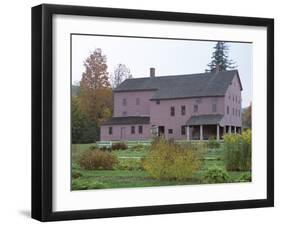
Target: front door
[(123, 133), (161, 131)]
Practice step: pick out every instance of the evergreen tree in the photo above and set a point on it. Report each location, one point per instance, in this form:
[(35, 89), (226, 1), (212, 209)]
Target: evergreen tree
[(220, 59)]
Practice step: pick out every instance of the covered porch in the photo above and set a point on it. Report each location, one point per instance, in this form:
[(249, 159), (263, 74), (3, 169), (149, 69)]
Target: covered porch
[(205, 127)]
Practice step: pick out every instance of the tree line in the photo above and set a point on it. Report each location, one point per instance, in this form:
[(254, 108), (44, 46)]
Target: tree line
[(92, 98)]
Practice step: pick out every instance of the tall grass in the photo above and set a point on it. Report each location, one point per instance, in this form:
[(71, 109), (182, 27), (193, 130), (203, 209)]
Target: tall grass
[(238, 151)]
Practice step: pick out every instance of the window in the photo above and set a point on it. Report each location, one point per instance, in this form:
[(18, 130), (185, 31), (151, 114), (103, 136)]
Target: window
[(172, 111), (132, 129), (195, 108), (182, 110), (124, 102), (157, 101), (183, 130), (233, 98), (138, 101), (170, 131), (239, 113), (236, 99), (199, 101), (140, 129), (124, 113), (227, 110), (110, 130), (214, 107), (233, 111)]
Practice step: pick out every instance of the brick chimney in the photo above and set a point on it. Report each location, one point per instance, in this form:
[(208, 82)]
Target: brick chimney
[(217, 70), (152, 72)]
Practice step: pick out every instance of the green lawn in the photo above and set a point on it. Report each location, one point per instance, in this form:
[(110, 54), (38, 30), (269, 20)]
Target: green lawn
[(129, 173)]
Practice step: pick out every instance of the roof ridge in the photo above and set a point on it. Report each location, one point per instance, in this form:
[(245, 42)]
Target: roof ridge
[(166, 76)]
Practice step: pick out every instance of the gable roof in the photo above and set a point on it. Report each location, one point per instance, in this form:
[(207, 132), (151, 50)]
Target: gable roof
[(197, 120), (182, 86), (128, 120)]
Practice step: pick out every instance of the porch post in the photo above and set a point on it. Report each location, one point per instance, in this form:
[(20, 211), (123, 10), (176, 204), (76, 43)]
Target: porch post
[(235, 129), (224, 130), (218, 132), (201, 132), (229, 129), (187, 133)]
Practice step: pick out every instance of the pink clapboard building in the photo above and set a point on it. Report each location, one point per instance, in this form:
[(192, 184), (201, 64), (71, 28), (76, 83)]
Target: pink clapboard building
[(192, 107)]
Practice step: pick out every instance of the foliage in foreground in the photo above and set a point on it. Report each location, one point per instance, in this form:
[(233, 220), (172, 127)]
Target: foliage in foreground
[(167, 160), (96, 159), (238, 151), (216, 174), (213, 143), (245, 177), (86, 184), (119, 146)]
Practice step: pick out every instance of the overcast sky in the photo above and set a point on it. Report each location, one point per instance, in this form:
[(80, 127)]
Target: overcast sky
[(169, 57)]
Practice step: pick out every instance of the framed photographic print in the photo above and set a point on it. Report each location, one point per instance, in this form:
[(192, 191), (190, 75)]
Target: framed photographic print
[(145, 112)]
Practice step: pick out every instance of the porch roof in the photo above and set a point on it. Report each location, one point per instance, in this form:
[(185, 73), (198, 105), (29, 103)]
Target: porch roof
[(212, 119), (128, 120)]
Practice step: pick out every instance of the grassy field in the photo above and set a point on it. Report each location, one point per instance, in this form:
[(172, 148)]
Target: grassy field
[(129, 172)]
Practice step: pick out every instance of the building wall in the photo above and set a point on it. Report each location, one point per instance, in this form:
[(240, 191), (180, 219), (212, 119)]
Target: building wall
[(131, 107), (160, 113), (234, 101), (116, 133)]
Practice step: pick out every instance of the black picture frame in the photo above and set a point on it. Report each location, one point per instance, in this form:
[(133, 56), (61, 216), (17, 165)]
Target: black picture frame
[(42, 107)]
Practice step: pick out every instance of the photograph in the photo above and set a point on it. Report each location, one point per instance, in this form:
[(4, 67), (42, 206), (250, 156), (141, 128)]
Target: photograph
[(149, 111)]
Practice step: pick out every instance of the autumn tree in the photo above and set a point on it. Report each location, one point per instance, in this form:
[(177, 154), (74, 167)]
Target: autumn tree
[(95, 91), (121, 73), (247, 117), (220, 59)]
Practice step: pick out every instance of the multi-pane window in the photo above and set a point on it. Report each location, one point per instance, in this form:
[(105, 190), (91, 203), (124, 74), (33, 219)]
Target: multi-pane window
[(138, 101), (170, 131), (195, 108), (132, 129), (140, 129), (214, 107), (233, 111), (182, 110), (124, 102), (183, 130), (227, 110), (172, 111), (110, 130)]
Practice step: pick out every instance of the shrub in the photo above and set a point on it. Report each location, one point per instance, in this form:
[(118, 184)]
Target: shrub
[(245, 177), (216, 175), (237, 151), (213, 143), (171, 161), (97, 160), (119, 146), (105, 148), (75, 174), (78, 184)]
